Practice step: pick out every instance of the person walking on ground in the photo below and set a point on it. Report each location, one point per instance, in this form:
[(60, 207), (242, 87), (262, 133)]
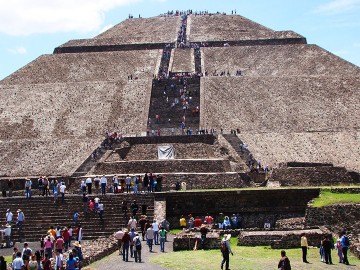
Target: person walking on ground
[(162, 234), (155, 226), (226, 250), (345, 243), (304, 247), (137, 248), (142, 223), (126, 245), (118, 236), (284, 263), (128, 183), (150, 237)]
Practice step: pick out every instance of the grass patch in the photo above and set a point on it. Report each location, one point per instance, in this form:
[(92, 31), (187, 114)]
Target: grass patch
[(245, 258), (8, 259), (327, 198), (175, 231)]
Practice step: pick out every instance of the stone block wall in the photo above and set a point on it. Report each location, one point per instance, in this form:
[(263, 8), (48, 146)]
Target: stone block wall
[(253, 205), (182, 151), (311, 176), (192, 241), (163, 166)]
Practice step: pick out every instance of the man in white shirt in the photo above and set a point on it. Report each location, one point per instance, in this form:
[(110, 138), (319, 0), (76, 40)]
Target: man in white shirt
[(18, 263), (62, 191), (128, 183), (116, 184), (103, 182), (9, 216), (132, 223), (155, 226), (59, 260), (88, 183)]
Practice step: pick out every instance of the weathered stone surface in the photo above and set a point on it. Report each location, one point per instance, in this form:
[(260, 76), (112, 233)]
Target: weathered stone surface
[(283, 60), (311, 176), (281, 239), (254, 206), (230, 27), (191, 240), (183, 61), (163, 166), (290, 224)]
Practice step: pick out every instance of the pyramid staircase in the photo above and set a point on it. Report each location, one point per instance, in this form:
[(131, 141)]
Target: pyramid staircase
[(41, 213)]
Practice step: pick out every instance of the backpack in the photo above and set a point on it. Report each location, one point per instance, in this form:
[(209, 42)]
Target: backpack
[(286, 264), (138, 244), (223, 247), (346, 240)]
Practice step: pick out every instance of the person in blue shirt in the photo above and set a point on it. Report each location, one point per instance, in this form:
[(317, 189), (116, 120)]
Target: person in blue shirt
[(345, 246), (71, 262)]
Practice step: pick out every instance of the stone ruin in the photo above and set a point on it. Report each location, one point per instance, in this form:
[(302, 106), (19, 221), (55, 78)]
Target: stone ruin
[(291, 105)]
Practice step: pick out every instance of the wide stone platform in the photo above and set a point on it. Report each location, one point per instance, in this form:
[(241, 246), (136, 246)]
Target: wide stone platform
[(282, 239)]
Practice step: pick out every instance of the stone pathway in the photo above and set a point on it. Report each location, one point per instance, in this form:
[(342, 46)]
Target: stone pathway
[(115, 262)]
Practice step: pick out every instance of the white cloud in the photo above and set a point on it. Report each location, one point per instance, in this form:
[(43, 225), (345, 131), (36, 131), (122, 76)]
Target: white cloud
[(24, 17), (338, 6), (17, 50)]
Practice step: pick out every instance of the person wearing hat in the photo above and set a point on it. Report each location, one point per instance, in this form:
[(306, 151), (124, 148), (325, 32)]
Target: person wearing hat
[(9, 216), (126, 245), (20, 219), (28, 184), (7, 234), (226, 250)]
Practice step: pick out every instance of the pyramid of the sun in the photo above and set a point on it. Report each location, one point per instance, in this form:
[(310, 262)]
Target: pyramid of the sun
[(292, 102)]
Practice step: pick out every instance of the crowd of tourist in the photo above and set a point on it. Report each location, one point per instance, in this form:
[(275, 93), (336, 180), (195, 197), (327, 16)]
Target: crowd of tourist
[(136, 184), (130, 239), (181, 39), (53, 252)]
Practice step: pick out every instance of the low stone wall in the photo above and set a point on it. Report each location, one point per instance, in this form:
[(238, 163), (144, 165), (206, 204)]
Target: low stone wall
[(254, 206), (98, 249), (192, 241), (290, 224), (281, 239), (208, 139), (311, 176), (163, 166)]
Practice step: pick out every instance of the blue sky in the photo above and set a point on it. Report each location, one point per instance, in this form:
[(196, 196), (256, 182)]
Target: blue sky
[(29, 29)]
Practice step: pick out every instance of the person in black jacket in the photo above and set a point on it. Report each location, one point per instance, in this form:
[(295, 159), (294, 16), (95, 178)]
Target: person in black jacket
[(327, 246), (284, 263)]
